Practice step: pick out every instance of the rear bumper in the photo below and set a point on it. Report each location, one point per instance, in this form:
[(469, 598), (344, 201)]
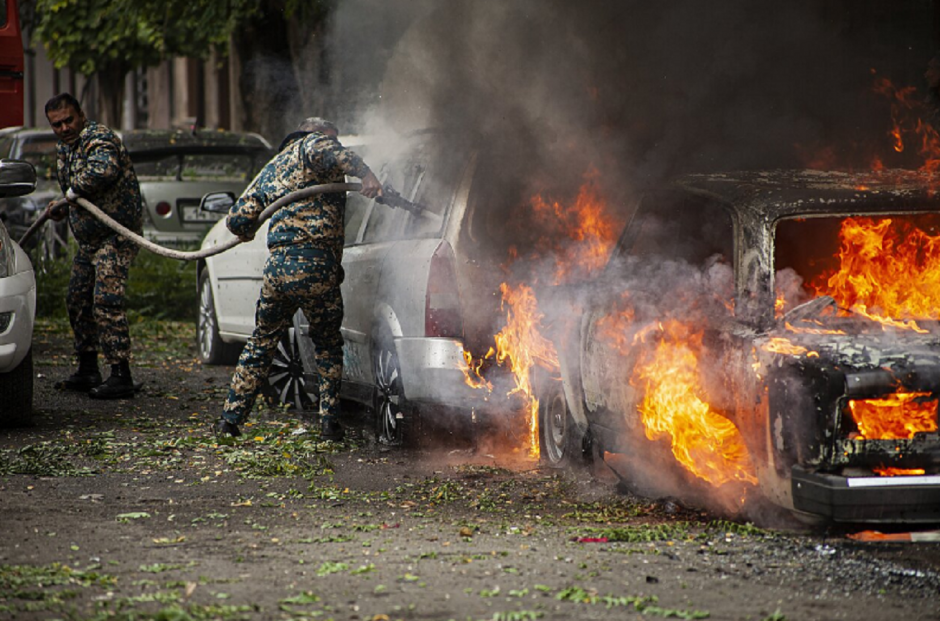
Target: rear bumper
[(179, 238), (431, 373), (867, 499)]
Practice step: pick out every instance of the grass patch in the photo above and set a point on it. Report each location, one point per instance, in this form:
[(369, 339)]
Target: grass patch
[(46, 459), (157, 288), (642, 533)]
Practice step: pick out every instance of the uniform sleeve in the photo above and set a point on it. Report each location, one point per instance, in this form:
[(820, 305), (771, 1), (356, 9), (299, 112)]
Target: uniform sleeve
[(244, 213), (323, 155), (102, 166), (61, 168)]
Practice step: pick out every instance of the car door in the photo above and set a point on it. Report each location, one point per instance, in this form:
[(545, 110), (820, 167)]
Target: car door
[(673, 263), (238, 273), (363, 263)]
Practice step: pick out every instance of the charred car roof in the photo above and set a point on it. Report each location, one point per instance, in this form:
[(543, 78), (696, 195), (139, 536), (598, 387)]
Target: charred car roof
[(785, 193)]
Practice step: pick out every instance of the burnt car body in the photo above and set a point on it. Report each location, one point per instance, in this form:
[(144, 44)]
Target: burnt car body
[(732, 271)]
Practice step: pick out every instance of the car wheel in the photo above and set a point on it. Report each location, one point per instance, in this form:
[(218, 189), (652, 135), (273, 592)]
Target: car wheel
[(16, 394), (212, 349), (393, 416), (286, 381), (559, 437)]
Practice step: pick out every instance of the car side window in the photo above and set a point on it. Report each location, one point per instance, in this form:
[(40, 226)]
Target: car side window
[(6, 146), (357, 206), (681, 229), (435, 194), (385, 223)]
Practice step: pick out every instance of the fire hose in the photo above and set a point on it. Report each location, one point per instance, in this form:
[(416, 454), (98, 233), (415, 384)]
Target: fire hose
[(389, 197)]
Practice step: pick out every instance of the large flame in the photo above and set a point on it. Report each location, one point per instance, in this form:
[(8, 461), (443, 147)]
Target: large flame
[(895, 417), (889, 272), (580, 236), (522, 346), (706, 443), (583, 232)]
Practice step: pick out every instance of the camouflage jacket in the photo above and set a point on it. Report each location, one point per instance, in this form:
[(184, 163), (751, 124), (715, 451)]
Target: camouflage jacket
[(314, 223), (98, 168)]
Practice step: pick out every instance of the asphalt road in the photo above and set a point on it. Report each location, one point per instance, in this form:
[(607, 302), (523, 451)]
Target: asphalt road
[(133, 510)]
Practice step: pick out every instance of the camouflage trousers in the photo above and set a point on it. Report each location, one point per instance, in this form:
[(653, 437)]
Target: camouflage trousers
[(95, 299), (293, 279)]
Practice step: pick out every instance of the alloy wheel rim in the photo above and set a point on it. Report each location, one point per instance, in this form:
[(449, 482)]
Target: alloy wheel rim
[(557, 419), (287, 374), (389, 396), (206, 323)]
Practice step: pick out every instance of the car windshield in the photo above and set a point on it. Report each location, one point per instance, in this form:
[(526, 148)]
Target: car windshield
[(194, 167), (881, 267), (40, 152)]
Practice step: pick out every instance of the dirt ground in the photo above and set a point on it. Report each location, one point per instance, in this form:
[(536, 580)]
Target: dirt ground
[(133, 510)]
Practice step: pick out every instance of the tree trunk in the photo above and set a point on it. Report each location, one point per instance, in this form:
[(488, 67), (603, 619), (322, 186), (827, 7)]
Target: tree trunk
[(111, 95), (269, 90)]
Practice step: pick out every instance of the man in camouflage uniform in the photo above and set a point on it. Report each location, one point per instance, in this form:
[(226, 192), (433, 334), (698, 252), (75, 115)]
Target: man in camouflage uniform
[(92, 163), (303, 270)]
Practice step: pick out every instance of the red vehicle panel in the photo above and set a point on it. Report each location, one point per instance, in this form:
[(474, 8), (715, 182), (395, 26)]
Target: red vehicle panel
[(11, 65)]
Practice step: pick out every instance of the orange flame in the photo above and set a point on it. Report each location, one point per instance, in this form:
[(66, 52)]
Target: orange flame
[(888, 270), (907, 116), (521, 344), (472, 371), (706, 443), (584, 231), (895, 417), (781, 345), (898, 472)]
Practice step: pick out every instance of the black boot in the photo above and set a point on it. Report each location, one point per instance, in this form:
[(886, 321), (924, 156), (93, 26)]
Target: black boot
[(118, 386), (330, 429), (88, 376), (223, 428)]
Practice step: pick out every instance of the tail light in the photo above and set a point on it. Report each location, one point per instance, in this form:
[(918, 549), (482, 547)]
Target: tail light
[(442, 302), (163, 209)]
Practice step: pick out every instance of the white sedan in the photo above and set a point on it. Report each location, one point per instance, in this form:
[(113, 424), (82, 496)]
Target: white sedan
[(17, 307)]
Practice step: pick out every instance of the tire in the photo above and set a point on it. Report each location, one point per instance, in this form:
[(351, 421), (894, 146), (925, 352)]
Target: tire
[(394, 418), (560, 440), (286, 382), (16, 394), (210, 346)]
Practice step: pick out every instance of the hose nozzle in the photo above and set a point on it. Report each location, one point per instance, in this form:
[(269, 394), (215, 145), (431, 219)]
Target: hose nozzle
[(392, 198)]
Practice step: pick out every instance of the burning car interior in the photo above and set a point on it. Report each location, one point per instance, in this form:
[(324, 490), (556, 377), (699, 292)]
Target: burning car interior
[(871, 355)]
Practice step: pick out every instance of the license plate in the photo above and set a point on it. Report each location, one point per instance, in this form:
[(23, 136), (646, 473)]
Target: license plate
[(193, 214)]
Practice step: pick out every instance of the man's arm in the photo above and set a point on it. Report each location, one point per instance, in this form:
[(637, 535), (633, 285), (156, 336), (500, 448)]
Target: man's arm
[(102, 166), (329, 152), (243, 217)]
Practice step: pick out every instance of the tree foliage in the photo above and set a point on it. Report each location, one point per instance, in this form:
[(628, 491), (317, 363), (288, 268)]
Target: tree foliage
[(115, 36)]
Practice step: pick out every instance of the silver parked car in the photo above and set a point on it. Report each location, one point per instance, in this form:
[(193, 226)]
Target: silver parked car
[(176, 168), (38, 147), (419, 290), (17, 307)]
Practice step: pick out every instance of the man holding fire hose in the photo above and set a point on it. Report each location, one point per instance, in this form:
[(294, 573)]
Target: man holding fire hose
[(303, 270), (92, 163)]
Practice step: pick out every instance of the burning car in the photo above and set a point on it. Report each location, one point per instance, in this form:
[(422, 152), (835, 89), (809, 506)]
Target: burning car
[(764, 335)]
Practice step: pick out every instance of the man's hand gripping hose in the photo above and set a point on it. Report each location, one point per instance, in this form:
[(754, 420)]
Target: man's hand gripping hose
[(208, 252)]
